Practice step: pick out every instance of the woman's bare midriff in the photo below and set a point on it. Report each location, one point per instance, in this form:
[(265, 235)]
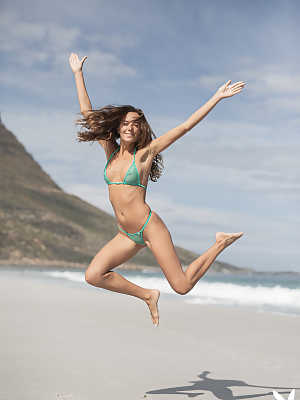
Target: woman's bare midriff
[(129, 206)]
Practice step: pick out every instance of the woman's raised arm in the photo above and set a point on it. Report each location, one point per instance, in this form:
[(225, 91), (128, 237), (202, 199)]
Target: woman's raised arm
[(76, 66), (162, 142), (85, 105)]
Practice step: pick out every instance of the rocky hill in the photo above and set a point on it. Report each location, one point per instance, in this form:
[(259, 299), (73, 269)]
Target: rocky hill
[(40, 223)]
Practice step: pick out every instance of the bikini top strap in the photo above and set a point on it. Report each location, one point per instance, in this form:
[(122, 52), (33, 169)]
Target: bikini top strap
[(134, 154), (114, 152)]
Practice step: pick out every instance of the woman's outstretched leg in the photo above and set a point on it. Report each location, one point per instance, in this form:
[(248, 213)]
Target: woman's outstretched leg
[(158, 239), (116, 252), (198, 267)]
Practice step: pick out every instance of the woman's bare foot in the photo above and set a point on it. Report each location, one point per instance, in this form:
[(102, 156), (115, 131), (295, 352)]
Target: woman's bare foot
[(227, 238), (152, 304)]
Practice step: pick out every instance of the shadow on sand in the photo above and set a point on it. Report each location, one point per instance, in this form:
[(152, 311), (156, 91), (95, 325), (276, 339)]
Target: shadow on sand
[(220, 388)]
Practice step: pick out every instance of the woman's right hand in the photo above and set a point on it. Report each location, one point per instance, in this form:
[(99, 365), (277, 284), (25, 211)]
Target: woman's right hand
[(75, 63)]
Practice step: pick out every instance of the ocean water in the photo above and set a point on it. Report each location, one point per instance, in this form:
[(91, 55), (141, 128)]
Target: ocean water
[(263, 292)]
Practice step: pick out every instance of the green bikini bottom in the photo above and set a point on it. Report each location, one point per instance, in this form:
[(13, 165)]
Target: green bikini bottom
[(137, 237)]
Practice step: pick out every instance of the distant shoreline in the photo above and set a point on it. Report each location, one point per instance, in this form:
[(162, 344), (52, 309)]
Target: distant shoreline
[(58, 264), (66, 265)]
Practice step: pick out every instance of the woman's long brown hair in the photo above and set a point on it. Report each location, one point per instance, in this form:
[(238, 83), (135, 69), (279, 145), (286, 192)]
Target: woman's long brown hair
[(103, 124)]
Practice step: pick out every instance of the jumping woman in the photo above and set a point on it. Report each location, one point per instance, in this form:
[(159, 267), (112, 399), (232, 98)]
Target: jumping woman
[(129, 165)]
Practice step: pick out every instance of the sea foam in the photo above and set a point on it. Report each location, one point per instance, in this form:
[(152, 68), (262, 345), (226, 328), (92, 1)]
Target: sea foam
[(266, 296)]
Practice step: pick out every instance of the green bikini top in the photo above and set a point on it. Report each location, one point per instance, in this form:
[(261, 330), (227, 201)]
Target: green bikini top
[(132, 176)]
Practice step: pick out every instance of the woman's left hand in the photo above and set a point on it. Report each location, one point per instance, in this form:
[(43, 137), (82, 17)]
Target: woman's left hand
[(228, 90)]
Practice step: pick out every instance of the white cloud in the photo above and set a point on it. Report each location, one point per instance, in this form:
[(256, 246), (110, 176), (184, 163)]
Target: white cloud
[(35, 44), (113, 40), (277, 87), (107, 65), (208, 81), (291, 104), (260, 79), (283, 83), (246, 156), (14, 32)]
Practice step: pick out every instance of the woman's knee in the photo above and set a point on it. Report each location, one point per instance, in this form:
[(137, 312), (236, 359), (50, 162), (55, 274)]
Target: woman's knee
[(182, 290), (93, 277), (89, 276), (181, 286)]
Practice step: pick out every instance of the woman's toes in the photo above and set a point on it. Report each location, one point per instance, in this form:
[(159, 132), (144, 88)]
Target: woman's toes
[(228, 238), (153, 307)]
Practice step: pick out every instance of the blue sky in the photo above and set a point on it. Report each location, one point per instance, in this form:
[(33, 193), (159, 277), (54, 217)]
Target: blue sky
[(237, 170)]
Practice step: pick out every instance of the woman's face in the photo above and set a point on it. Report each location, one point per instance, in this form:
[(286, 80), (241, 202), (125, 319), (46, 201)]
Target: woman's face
[(130, 128)]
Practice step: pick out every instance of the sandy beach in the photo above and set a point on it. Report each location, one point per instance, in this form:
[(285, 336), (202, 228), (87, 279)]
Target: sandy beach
[(63, 340)]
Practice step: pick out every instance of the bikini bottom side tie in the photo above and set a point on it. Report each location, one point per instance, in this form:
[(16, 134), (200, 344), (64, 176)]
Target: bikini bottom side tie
[(137, 237)]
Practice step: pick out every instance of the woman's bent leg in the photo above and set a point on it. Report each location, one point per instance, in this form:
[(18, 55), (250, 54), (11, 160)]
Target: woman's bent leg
[(159, 240), (116, 252)]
